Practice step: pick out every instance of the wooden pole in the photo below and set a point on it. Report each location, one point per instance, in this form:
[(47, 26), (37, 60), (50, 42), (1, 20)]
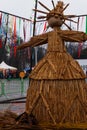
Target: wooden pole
[(34, 35), (12, 100), (35, 14)]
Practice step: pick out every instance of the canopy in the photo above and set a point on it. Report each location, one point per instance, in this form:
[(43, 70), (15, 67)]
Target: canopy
[(4, 66)]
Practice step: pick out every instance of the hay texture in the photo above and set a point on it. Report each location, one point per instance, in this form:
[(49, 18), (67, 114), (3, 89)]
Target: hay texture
[(57, 94), (12, 121), (58, 91)]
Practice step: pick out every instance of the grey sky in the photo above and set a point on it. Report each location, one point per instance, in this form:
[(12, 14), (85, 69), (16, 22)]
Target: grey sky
[(24, 7), (18, 7)]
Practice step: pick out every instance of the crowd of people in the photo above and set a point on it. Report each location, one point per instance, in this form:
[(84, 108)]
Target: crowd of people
[(8, 74)]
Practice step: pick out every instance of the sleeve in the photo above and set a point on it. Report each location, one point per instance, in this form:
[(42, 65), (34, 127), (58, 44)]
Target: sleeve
[(73, 36), (35, 41)]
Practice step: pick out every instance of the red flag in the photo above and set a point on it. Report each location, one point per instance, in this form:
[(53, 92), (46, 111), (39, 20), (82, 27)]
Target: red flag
[(79, 49), (15, 50), (45, 27), (15, 30), (0, 43)]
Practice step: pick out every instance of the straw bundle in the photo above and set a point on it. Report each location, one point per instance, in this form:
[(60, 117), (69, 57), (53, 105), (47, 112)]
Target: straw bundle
[(65, 100), (7, 119), (57, 65), (57, 94), (11, 121), (57, 91)]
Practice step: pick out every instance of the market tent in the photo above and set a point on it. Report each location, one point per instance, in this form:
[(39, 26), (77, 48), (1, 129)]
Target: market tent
[(4, 66)]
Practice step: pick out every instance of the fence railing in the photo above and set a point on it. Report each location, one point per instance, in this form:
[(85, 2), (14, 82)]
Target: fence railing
[(12, 92), (13, 86)]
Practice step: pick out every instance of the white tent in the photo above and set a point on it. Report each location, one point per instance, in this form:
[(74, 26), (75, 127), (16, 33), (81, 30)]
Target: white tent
[(4, 66)]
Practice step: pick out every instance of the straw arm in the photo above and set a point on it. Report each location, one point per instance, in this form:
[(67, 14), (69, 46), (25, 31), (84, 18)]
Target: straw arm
[(85, 37), (24, 45), (74, 36), (34, 41)]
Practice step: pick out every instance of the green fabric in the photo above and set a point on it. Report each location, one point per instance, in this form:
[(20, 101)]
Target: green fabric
[(86, 25), (19, 31), (2, 89), (22, 86)]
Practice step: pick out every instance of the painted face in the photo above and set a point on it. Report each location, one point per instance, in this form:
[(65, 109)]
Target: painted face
[(55, 17), (55, 21)]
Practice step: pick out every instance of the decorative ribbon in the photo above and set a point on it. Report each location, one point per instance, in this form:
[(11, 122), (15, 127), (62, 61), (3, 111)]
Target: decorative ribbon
[(86, 25), (19, 31), (0, 31), (45, 27), (24, 29), (15, 37), (80, 44)]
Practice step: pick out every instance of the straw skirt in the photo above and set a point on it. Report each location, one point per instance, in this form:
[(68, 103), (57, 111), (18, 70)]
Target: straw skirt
[(57, 91)]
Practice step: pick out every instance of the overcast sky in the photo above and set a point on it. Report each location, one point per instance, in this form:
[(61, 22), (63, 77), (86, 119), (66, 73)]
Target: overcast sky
[(24, 7)]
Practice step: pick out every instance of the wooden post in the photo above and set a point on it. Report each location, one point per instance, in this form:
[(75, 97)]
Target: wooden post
[(34, 29)]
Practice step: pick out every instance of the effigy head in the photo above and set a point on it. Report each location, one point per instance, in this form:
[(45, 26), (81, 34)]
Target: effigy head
[(55, 17)]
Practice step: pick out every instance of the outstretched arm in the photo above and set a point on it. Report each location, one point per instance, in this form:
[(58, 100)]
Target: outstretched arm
[(74, 36), (35, 41)]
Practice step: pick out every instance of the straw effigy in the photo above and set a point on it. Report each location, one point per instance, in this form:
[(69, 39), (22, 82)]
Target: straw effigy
[(57, 94), (57, 91)]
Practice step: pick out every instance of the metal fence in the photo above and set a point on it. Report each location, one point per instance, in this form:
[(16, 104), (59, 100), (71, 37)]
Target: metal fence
[(13, 86), (11, 89)]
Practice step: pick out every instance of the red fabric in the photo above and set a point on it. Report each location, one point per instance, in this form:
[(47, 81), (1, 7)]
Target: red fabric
[(79, 49), (0, 43), (15, 50), (45, 27)]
